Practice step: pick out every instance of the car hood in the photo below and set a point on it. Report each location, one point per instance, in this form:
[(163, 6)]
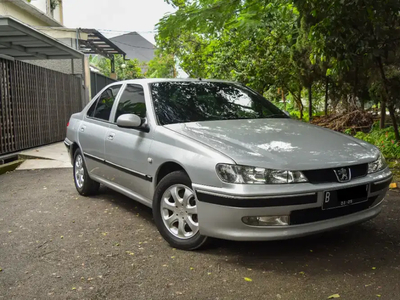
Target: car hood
[(279, 143)]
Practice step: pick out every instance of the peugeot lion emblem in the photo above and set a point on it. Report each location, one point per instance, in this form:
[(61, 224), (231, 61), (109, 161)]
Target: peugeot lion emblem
[(343, 174)]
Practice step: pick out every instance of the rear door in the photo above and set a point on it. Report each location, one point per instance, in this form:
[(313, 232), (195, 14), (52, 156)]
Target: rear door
[(93, 130), (126, 149)]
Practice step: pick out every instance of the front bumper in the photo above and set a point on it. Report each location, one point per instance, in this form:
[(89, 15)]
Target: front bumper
[(221, 210)]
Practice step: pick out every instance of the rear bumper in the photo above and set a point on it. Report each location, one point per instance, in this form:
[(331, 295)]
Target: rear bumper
[(220, 214), (68, 145)]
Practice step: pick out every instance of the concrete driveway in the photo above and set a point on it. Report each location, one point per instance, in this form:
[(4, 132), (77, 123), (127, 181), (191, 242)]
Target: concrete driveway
[(55, 244)]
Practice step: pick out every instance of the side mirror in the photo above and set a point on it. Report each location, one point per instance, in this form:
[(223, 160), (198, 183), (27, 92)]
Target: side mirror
[(129, 121)]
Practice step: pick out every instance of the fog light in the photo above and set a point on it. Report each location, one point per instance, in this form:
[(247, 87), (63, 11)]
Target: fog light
[(266, 221)]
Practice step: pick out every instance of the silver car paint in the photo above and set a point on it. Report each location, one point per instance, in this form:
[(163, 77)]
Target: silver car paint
[(198, 147), (283, 144)]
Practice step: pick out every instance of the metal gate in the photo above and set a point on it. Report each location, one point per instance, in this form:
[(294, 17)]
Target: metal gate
[(98, 82), (35, 105)]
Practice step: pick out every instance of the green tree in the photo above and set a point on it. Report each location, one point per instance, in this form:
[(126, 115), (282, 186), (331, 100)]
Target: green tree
[(161, 66), (352, 31), (125, 69)]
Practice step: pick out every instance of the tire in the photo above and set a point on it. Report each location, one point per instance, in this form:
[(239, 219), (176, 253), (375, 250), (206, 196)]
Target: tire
[(175, 212), (83, 183)]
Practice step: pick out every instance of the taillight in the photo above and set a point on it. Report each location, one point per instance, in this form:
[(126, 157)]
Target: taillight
[(67, 124)]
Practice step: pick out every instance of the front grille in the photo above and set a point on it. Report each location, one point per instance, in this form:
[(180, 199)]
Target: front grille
[(310, 215), (328, 175)]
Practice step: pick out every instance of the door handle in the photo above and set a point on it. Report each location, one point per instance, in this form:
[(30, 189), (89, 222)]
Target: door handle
[(111, 136)]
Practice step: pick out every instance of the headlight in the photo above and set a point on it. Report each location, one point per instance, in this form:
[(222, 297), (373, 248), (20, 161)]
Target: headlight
[(252, 175), (377, 165)]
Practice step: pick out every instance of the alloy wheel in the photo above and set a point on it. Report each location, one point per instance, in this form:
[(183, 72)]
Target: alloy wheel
[(79, 171), (179, 211)]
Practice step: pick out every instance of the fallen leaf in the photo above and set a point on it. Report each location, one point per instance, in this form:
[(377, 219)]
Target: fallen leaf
[(191, 268), (1, 270), (73, 288), (248, 279), (9, 231), (165, 265), (373, 268), (208, 273), (334, 296), (378, 295), (393, 185), (249, 269), (172, 256), (61, 237), (104, 233), (302, 273)]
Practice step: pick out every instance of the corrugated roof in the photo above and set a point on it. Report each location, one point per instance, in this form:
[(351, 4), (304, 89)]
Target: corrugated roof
[(135, 46), (23, 42), (98, 44)]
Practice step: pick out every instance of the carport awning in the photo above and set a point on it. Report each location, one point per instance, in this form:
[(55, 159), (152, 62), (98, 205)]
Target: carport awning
[(22, 42)]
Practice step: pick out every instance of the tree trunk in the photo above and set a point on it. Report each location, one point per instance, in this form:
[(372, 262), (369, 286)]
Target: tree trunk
[(326, 95), (395, 126), (310, 102), (355, 88), (283, 99), (383, 115), (301, 107), (385, 99)]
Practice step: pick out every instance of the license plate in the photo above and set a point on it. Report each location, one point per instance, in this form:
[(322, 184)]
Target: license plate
[(345, 197)]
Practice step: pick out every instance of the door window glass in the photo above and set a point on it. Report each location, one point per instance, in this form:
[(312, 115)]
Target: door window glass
[(132, 102), (101, 109)]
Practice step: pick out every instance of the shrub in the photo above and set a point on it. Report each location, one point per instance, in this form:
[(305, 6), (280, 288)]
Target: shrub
[(382, 138)]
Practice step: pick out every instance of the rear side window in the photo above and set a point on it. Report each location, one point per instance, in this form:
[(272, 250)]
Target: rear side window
[(132, 102), (101, 108)]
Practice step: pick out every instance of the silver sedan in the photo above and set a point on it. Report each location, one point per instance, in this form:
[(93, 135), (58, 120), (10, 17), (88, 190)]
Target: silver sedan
[(216, 159)]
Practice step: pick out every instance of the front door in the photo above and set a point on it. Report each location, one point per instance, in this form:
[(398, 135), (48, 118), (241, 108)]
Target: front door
[(126, 150), (93, 129)]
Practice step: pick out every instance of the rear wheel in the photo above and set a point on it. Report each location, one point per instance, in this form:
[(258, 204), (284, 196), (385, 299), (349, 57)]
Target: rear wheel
[(175, 212), (83, 183)]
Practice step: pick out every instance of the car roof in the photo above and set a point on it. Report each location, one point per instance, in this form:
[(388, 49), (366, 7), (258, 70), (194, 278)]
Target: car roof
[(153, 80)]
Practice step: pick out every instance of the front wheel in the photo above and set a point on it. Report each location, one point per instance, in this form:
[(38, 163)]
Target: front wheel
[(175, 212)]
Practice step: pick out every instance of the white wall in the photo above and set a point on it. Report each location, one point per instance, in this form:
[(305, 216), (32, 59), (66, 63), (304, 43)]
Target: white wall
[(57, 14), (40, 4), (9, 9)]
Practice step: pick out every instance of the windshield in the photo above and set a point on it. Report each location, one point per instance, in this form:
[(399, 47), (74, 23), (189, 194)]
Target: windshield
[(181, 102)]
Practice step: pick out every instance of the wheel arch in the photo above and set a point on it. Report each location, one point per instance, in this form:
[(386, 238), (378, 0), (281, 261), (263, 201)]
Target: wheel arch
[(167, 168)]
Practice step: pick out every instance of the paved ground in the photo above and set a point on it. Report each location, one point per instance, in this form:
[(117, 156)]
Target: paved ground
[(55, 244), (46, 157)]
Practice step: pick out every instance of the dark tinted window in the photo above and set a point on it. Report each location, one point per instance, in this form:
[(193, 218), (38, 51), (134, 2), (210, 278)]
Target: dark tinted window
[(180, 102), (101, 109), (132, 102)]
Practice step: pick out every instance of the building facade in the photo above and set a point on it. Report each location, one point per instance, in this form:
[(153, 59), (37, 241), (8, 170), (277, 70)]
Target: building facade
[(34, 12)]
